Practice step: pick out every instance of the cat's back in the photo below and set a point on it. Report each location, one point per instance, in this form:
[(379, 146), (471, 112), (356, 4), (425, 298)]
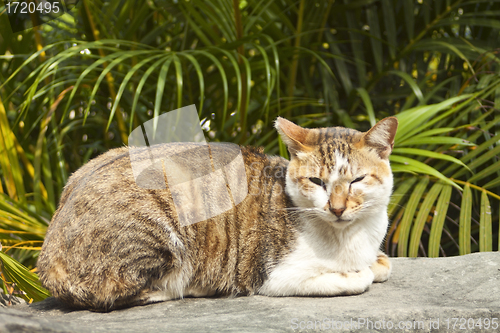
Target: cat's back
[(116, 230), (106, 192)]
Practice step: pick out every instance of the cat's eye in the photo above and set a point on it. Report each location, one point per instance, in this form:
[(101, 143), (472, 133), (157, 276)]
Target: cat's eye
[(358, 179), (317, 181)]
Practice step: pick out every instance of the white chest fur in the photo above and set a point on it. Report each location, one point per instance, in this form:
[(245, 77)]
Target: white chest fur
[(329, 261)]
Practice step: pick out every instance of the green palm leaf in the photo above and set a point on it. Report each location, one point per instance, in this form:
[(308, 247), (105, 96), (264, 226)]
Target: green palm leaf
[(82, 85)]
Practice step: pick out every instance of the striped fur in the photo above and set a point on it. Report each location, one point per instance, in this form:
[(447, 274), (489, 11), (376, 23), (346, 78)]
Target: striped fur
[(112, 244)]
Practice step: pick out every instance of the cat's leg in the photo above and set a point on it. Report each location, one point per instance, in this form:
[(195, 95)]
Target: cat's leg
[(155, 296), (172, 286), (199, 292), (333, 284), (381, 268), (146, 297), (325, 284)]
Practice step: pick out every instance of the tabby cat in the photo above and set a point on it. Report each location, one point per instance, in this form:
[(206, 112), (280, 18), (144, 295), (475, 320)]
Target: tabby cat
[(311, 226)]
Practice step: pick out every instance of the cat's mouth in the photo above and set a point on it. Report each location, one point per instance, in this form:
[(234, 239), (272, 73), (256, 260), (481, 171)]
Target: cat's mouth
[(336, 221), (341, 221)]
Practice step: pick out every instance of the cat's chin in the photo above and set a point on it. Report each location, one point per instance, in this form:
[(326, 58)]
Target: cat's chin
[(336, 222), (341, 223)]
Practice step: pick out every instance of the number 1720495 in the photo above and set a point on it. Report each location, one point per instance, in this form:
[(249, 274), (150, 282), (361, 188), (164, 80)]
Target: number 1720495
[(24, 7)]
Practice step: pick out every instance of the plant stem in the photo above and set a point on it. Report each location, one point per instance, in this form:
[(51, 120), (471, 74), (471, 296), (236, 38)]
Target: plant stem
[(109, 78), (295, 60), (320, 35), (241, 53), (476, 187)]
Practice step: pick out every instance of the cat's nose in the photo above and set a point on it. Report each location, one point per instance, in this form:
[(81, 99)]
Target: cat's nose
[(338, 211)]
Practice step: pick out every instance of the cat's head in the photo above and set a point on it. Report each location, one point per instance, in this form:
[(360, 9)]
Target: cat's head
[(336, 174)]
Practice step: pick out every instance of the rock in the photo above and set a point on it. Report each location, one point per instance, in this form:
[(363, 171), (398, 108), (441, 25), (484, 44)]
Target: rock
[(10, 300), (422, 295)]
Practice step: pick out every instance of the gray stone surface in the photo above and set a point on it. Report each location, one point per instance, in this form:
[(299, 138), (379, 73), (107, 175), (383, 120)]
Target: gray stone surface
[(9, 300), (419, 292)]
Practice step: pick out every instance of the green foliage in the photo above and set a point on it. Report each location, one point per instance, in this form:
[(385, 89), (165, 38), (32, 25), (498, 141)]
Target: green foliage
[(77, 86)]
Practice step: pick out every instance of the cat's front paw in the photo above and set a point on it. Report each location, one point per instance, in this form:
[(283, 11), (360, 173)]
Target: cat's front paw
[(357, 282), (381, 268), (367, 277)]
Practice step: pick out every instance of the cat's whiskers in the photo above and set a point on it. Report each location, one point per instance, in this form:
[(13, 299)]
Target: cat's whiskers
[(301, 208), (307, 213)]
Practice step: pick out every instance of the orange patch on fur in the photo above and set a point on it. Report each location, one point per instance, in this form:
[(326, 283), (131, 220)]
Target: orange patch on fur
[(383, 261)]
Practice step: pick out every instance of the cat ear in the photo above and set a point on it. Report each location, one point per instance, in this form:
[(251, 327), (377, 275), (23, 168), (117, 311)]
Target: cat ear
[(292, 135), (381, 136)]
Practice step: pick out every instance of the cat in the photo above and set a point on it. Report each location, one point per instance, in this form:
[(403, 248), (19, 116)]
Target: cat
[(311, 226)]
